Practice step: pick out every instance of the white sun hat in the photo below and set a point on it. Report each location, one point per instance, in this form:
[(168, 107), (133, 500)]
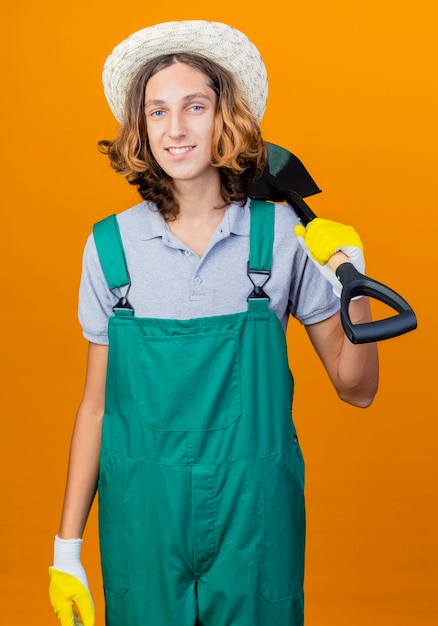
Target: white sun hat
[(219, 42)]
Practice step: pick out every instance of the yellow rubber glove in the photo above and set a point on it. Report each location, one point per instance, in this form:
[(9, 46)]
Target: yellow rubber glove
[(322, 238), (70, 599)]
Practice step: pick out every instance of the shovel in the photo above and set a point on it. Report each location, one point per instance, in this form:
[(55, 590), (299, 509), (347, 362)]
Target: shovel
[(286, 179)]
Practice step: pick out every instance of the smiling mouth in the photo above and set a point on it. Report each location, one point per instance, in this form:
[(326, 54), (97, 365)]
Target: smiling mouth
[(182, 150)]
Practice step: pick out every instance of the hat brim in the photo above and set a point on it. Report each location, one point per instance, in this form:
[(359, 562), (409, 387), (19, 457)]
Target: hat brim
[(219, 42)]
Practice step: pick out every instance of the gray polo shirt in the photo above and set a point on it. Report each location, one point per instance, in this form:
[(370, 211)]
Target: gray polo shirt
[(168, 280)]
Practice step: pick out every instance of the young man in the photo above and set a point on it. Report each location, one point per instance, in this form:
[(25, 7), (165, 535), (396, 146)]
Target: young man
[(185, 423)]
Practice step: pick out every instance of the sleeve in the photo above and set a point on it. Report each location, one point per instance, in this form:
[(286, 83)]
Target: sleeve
[(96, 301), (311, 298)]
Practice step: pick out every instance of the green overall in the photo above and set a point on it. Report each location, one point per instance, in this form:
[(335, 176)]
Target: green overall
[(201, 505)]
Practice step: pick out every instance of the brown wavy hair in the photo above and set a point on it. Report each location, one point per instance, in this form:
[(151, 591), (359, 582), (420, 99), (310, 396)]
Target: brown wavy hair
[(238, 150)]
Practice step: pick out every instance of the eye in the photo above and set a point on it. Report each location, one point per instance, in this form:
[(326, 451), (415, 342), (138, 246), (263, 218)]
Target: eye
[(196, 108), (157, 113)]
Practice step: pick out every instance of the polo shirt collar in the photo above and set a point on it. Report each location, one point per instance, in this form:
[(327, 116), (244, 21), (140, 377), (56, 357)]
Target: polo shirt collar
[(236, 220), (153, 224)]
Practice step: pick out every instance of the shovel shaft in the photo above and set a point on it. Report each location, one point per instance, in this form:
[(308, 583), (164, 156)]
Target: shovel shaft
[(301, 208)]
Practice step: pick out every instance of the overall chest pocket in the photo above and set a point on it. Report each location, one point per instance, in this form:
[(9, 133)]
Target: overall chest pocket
[(189, 382)]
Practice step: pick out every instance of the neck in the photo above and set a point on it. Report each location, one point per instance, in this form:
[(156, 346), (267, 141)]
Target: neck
[(198, 201), (197, 218)]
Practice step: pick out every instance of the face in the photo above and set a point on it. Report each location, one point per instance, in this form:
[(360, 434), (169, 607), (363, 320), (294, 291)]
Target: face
[(180, 111)]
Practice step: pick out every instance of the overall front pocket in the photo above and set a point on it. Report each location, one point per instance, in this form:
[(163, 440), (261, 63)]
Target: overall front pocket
[(189, 382)]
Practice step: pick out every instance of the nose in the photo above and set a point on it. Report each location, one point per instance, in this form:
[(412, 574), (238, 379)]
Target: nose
[(176, 127)]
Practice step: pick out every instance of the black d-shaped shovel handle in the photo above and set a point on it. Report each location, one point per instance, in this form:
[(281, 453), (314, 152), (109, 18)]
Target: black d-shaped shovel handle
[(356, 284)]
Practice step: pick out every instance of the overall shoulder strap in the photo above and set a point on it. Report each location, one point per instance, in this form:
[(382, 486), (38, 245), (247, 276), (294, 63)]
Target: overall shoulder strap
[(261, 236), (111, 253), (261, 245)]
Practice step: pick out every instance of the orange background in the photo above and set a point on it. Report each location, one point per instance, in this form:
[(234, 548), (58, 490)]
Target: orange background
[(353, 93)]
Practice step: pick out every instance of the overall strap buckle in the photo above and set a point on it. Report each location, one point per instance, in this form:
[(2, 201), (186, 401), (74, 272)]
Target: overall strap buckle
[(258, 292), (123, 307)]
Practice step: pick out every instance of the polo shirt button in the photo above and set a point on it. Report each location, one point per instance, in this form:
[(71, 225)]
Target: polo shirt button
[(187, 253), (198, 280)]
